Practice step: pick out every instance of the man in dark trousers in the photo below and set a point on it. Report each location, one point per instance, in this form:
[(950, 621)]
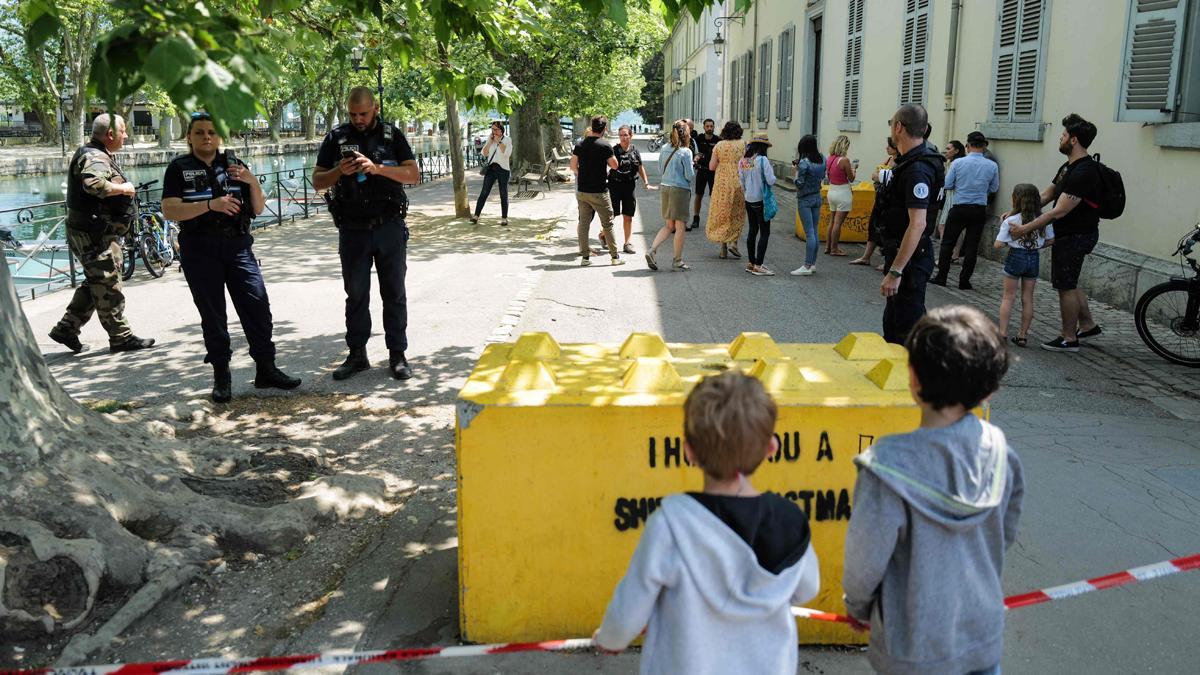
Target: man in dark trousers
[(973, 178), (367, 162), (1076, 192), (704, 145), (904, 224)]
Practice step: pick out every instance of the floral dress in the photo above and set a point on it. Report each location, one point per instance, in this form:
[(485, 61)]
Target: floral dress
[(727, 210)]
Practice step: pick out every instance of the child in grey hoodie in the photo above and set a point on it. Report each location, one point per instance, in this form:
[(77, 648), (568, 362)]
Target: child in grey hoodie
[(715, 573), (935, 509)]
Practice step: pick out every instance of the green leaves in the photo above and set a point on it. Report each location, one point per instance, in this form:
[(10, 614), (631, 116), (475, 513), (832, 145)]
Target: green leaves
[(42, 20)]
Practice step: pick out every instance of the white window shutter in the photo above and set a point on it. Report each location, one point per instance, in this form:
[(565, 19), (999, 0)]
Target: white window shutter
[(764, 80), (915, 49), (1150, 69)]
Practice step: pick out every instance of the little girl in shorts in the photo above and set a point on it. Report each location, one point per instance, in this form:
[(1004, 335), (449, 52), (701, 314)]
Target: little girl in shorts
[(1021, 264)]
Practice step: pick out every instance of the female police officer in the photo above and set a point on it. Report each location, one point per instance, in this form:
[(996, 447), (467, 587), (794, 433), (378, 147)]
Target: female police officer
[(214, 196)]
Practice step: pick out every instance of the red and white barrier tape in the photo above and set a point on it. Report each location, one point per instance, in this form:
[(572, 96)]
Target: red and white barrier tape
[(219, 666)]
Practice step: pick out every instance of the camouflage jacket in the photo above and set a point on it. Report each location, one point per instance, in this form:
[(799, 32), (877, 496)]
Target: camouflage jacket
[(92, 181)]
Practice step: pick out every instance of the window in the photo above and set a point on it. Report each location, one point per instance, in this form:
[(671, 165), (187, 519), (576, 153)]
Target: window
[(1016, 79), (1151, 69), (787, 73), (764, 79), (915, 50), (852, 89)]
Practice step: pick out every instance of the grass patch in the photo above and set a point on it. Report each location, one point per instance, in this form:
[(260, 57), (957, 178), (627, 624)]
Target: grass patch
[(108, 405)]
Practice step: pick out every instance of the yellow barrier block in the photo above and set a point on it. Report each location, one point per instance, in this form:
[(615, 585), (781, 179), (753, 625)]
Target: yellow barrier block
[(562, 459), (644, 344), (535, 346), (854, 227)]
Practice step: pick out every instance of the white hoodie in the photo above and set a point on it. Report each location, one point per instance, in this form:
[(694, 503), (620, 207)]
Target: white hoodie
[(707, 604)]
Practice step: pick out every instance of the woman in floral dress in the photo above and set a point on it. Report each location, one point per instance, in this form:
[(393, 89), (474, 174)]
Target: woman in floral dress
[(727, 209)]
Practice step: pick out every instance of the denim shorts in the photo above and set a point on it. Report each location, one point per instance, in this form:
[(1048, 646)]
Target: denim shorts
[(1021, 263)]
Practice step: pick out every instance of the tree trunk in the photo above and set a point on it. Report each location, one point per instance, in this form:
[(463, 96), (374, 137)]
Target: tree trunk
[(274, 122), (184, 120), (309, 120), (527, 135), (164, 130), (462, 207), (89, 503)]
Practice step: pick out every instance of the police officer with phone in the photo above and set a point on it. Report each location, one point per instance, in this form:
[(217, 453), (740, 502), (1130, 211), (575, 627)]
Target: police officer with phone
[(214, 196), (365, 164)]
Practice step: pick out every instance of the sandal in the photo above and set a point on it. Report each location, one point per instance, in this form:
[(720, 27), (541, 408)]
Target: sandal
[(879, 268), (860, 261), (1020, 341), (838, 253), (474, 220)]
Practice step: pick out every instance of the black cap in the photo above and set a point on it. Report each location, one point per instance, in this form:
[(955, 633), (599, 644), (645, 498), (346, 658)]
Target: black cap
[(976, 138)]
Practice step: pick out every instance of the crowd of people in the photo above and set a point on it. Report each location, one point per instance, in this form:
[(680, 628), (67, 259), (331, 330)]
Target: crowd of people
[(929, 214)]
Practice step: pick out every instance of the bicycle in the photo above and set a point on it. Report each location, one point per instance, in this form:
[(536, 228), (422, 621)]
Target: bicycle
[(656, 143), (152, 237), (1168, 315)]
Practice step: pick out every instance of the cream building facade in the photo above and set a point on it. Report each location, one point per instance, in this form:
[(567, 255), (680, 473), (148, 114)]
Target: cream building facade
[(1010, 68)]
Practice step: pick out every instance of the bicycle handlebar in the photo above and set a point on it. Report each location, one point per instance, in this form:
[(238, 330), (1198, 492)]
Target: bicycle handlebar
[(145, 185)]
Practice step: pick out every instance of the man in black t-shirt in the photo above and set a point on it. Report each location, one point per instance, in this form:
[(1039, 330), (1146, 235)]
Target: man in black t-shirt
[(905, 224), (1076, 192), (590, 161), (702, 147)]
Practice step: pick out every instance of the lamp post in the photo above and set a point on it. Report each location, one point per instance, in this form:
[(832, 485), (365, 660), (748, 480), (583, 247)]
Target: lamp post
[(65, 97), (356, 59)]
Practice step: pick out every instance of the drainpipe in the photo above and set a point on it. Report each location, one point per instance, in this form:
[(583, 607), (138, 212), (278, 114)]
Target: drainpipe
[(952, 68), (757, 69)]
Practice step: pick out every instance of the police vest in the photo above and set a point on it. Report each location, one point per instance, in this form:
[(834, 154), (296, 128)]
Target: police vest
[(202, 183), (891, 201), (360, 202), (92, 212)]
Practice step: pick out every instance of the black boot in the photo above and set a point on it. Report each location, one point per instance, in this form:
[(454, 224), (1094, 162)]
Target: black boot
[(131, 344), (355, 363), (222, 383), (69, 341), (399, 365), (268, 376)]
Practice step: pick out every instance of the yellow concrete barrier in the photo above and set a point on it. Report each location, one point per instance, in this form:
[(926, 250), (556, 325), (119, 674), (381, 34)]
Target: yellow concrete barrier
[(854, 228), (564, 451)]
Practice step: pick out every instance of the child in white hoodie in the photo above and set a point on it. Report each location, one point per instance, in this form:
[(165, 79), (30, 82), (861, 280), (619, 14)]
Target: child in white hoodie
[(716, 572)]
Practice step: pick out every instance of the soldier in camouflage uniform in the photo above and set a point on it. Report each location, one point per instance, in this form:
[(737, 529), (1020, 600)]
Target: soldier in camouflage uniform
[(99, 212)]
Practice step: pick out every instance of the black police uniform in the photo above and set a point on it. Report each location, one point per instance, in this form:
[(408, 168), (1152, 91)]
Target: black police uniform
[(915, 184), (370, 217), (215, 253)]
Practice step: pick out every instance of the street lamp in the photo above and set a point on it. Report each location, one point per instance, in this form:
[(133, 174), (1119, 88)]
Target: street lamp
[(67, 93), (356, 59), (718, 41)]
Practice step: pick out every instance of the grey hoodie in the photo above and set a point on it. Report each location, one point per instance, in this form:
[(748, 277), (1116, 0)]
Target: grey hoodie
[(706, 603), (934, 511)]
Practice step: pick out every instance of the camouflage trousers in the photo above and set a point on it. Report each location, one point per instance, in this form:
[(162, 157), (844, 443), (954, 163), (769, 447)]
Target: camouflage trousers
[(101, 290)]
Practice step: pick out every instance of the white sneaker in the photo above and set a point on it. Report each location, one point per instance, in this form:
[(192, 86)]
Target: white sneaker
[(803, 271)]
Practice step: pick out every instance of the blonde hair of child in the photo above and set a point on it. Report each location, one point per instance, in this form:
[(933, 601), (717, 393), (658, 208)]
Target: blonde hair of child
[(728, 421)]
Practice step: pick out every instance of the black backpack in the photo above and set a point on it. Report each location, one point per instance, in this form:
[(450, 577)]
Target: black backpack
[(1112, 197)]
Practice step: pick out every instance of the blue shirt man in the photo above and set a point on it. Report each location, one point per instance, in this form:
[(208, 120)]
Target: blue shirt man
[(972, 178)]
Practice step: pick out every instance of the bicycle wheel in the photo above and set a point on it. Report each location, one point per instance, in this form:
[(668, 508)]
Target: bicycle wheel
[(129, 254), (151, 256), (1168, 321)]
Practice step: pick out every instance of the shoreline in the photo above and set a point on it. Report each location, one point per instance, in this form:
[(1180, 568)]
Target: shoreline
[(22, 162)]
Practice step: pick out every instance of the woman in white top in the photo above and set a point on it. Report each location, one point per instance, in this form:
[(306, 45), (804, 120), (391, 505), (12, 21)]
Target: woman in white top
[(495, 152)]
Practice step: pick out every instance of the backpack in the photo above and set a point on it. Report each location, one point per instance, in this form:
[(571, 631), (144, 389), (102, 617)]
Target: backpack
[(1112, 198)]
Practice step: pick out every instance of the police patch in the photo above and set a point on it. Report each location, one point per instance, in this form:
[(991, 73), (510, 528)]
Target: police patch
[(920, 191), (189, 174)]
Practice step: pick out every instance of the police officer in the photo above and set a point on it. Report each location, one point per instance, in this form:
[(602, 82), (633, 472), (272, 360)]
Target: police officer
[(214, 196), (905, 227), (366, 162), (100, 210)]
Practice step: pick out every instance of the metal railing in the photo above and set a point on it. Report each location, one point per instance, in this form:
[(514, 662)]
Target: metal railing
[(47, 262)]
